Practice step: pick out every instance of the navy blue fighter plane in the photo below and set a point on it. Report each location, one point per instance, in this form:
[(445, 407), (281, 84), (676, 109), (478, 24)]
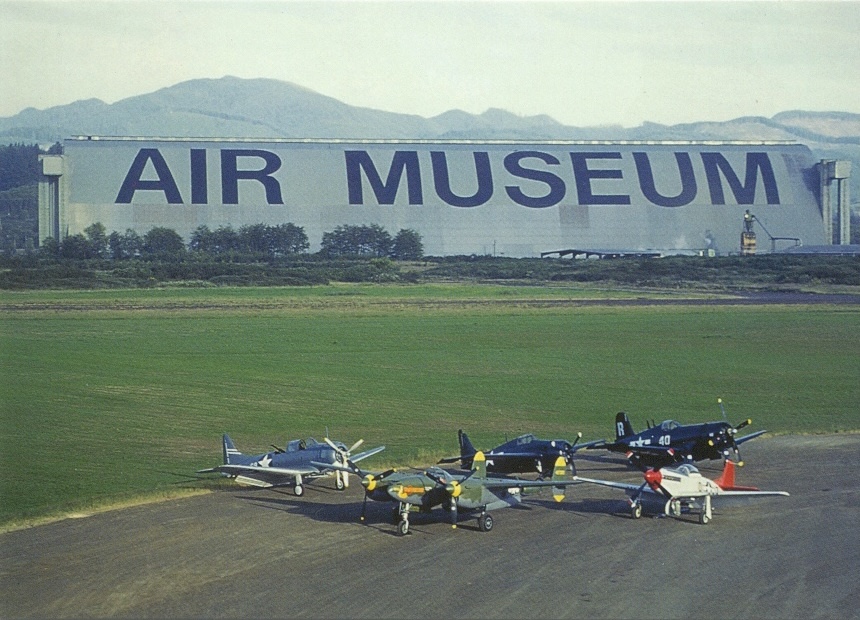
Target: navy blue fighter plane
[(301, 460), (523, 454), (671, 442)]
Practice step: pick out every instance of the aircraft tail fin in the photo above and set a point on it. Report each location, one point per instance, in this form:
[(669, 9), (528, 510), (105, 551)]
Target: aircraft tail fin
[(623, 428), (726, 481), (479, 466), (229, 449), (467, 450), (559, 472)]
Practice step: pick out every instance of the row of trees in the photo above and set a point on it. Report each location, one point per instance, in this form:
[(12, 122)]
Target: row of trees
[(372, 241), (251, 242)]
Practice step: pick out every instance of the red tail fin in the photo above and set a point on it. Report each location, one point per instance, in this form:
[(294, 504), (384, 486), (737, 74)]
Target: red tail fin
[(726, 481)]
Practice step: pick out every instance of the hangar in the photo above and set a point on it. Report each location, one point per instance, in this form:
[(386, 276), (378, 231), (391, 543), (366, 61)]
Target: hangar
[(464, 197)]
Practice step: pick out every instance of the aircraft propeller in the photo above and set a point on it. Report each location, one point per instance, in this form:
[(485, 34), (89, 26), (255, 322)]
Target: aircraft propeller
[(726, 441), (369, 482), (729, 434), (568, 454), (653, 478), (342, 455), (453, 487)]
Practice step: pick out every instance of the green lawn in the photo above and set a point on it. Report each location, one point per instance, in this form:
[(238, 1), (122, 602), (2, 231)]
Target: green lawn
[(107, 395)]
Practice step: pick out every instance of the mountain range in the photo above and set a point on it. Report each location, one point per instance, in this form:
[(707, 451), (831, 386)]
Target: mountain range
[(266, 108)]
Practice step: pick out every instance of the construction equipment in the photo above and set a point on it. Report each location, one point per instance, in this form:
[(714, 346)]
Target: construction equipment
[(748, 239)]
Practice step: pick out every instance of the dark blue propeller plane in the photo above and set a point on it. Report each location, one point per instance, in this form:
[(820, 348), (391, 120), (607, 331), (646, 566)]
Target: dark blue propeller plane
[(524, 454), (671, 442), (300, 461)]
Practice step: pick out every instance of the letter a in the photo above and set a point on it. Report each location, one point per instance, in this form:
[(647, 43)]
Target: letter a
[(164, 183)]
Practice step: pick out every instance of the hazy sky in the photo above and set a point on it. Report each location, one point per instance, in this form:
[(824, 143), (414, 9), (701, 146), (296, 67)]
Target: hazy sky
[(582, 63)]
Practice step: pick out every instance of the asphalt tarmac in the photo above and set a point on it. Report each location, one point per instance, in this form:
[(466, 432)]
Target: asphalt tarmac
[(258, 553)]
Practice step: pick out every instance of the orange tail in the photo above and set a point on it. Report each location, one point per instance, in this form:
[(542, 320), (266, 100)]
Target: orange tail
[(726, 481)]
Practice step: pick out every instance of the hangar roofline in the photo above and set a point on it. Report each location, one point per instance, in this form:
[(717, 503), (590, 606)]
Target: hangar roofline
[(87, 138)]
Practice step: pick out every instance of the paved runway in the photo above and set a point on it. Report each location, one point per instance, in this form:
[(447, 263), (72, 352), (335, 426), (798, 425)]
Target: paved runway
[(256, 553)]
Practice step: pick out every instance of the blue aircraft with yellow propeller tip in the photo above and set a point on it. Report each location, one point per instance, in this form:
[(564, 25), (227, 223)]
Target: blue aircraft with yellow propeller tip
[(524, 454), (670, 442)]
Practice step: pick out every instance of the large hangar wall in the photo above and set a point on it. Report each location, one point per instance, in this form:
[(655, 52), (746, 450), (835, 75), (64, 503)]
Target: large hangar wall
[(464, 197)]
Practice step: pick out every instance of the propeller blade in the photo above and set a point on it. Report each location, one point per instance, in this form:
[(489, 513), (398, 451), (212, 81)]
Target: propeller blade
[(469, 475), (277, 449), (432, 475), (746, 422), (654, 479), (453, 512), (354, 446), (737, 452), (363, 506)]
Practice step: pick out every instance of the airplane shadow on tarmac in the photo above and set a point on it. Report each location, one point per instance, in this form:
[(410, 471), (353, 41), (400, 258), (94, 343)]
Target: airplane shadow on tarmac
[(379, 516)]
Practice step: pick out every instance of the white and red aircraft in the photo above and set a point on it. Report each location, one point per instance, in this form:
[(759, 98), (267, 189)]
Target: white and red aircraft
[(682, 489)]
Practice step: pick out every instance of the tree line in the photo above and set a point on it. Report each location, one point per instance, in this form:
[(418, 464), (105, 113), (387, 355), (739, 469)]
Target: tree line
[(249, 242)]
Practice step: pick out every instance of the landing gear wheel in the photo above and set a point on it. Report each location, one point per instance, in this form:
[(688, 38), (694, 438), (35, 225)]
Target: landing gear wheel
[(403, 527), (703, 518), (675, 507), (636, 511), (485, 522), (299, 490), (339, 484)]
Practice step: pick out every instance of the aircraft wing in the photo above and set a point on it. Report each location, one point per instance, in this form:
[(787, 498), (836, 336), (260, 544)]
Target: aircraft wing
[(600, 444), (450, 459), (518, 483), (236, 470), (654, 450), (589, 445), (739, 498), (740, 440), (608, 483), (350, 470), (363, 455)]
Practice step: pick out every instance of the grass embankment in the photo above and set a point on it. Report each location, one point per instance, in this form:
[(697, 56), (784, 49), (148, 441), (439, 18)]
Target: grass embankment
[(107, 396)]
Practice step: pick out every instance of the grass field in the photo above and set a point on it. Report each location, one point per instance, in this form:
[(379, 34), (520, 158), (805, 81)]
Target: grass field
[(110, 395)]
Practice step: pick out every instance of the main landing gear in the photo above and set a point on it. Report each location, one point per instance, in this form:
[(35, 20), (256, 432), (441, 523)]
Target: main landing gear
[(675, 508), (485, 522), (400, 516), (706, 514)]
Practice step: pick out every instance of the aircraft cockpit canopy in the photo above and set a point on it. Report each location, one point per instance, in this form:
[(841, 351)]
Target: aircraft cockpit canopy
[(297, 444), (524, 439), (688, 469), (668, 425)]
